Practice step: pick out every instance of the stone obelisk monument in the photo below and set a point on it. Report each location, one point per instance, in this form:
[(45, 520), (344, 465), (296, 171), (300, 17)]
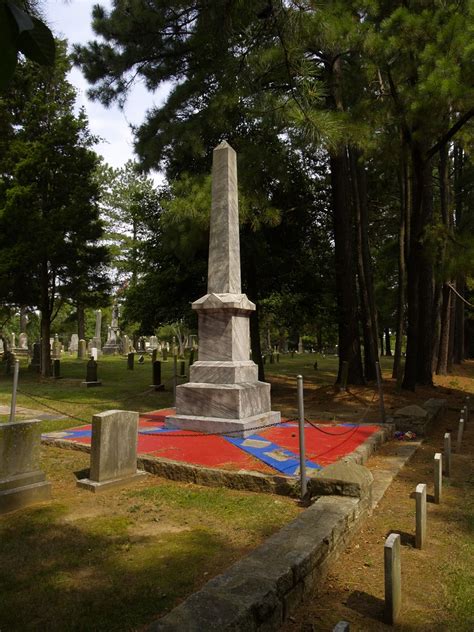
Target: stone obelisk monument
[(223, 393)]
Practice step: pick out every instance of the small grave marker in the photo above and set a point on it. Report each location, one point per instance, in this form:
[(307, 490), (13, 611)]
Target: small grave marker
[(157, 384), (56, 369), (113, 451), (393, 578), (91, 374), (420, 497), (447, 454), (460, 435), (130, 361), (438, 477)]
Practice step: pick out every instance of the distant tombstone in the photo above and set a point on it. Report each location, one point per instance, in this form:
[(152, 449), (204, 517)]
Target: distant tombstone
[(165, 354), (56, 347), (81, 349), (300, 345), (74, 344), (23, 341), (2, 348), (95, 353), (22, 483), (157, 384), (154, 353), (141, 359), (91, 374), (56, 369), (35, 364), (124, 344), (12, 340), (113, 451), (153, 342), (130, 360)]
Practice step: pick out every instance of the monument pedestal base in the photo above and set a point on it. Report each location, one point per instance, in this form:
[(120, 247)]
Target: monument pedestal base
[(23, 490), (112, 349), (91, 384), (96, 486), (240, 428)]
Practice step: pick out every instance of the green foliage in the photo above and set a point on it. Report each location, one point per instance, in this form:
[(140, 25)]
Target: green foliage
[(21, 32)]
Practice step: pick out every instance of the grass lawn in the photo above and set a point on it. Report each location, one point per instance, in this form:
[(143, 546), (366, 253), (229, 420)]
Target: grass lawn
[(118, 560)]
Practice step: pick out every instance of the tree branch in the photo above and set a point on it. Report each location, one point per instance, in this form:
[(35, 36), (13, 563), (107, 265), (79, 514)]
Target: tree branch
[(450, 133)]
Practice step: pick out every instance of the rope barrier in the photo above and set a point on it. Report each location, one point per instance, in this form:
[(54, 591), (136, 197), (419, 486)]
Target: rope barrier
[(68, 401), (453, 289)]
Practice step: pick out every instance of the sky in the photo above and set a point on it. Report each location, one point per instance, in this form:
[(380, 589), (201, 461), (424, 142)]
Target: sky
[(72, 20)]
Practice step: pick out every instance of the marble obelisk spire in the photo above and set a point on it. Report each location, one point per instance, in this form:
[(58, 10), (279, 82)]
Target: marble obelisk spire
[(223, 393)]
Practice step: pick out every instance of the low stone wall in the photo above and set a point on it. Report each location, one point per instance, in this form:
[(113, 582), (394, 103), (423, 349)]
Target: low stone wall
[(419, 419), (263, 589)]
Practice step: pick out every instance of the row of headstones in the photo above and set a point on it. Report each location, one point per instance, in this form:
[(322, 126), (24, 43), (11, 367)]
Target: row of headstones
[(392, 547), (113, 458)]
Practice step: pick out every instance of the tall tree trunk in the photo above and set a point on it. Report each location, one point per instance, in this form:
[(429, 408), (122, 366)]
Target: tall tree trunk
[(45, 326), (345, 269), (458, 351), (253, 290), (346, 289), (405, 198), (442, 363), (388, 346), (81, 322), (415, 256), (452, 316), (364, 266)]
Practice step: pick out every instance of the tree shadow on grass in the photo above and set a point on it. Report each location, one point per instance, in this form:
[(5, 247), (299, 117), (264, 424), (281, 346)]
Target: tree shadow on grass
[(57, 576)]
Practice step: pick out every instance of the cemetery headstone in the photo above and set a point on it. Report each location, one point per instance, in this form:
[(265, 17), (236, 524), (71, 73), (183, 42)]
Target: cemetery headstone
[(154, 354), (157, 384), (81, 349), (130, 361), (182, 369), (56, 347), (342, 626), (393, 578), (438, 477), (12, 340), (56, 369), (112, 344), (95, 353), (36, 359), (191, 357), (22, 483), (23, 341), (74, 344), (113, 451), (91, 374), (141, 359), (97, 340), (165, 354), (420, 499)]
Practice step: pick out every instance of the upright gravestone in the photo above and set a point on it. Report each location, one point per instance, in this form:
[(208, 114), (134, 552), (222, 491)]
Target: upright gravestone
[(113, 450), (56, 369), (81, 349), (97, 340), (74, 343), (157, 384), (223, 393), (23, 341), (393, 578), (130, 360), (112, 345), (91, 374), (35, 364), (56, 347), (22, 482)]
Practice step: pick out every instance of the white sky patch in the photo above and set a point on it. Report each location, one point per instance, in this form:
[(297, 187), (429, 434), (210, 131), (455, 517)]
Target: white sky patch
[(72, 20)]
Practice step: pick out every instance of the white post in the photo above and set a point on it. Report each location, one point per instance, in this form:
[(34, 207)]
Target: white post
[(393, 578), (15, 386), (438, 477), (420, 496), (447, 454), (460, 435), (301, 436)]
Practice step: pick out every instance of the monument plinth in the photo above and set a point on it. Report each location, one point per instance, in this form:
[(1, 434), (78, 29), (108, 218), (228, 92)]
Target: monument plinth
[(223, 394)]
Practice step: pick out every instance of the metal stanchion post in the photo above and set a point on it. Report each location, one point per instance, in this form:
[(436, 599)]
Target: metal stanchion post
[(379, 384), (175, 377), (301, 436), (15, 386)]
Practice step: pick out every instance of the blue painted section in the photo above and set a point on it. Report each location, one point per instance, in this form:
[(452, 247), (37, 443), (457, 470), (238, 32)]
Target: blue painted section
[(157, 430), (272, 454)]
